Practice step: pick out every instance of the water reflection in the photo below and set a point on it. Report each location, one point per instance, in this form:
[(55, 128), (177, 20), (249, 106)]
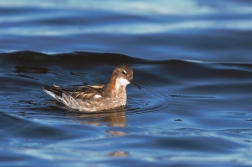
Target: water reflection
[(119, 154), (115, 118)]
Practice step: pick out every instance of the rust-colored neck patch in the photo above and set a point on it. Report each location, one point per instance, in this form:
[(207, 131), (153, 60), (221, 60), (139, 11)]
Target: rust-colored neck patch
[(112, 83)]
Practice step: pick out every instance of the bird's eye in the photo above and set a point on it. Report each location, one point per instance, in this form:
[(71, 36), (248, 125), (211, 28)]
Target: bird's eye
[(124, 72)]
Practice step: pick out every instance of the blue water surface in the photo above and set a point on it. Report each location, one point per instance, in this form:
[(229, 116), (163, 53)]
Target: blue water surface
[(192, 59)]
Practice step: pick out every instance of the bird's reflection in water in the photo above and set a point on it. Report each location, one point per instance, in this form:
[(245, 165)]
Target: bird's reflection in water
[(118, 154), (115, 117)]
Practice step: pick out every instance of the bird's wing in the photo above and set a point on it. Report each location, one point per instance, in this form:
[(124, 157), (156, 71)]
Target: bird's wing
[(85, 92)]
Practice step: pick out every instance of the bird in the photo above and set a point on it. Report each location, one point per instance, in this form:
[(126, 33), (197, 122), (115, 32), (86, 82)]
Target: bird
[(96, 97)]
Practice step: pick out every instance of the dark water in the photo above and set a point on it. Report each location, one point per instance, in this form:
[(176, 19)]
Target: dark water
[(192, 59)]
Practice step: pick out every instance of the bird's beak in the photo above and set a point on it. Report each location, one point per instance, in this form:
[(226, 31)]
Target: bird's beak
[(135, 84)]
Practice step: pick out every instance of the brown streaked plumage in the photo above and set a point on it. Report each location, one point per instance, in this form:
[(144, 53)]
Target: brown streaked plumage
[(97, 97)]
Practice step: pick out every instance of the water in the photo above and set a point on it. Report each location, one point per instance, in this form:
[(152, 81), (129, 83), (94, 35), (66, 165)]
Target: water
[(192, 59)]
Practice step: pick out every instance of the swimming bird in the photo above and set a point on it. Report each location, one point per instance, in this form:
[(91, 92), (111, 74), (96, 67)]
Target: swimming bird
[(90, 98)]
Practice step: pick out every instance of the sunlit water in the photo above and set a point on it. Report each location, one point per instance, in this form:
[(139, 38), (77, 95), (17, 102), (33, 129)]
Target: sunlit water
[(191, 58)]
